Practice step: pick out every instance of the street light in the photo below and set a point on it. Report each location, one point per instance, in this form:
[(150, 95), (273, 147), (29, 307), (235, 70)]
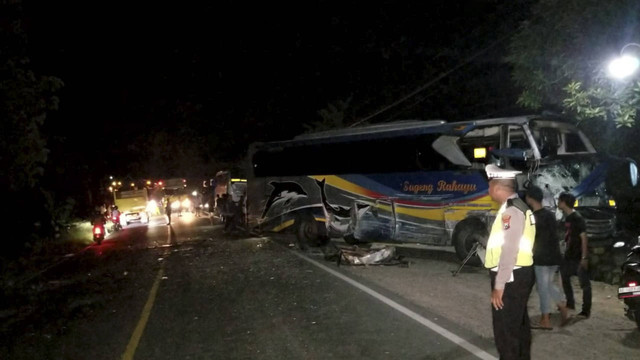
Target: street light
[(625, 65)]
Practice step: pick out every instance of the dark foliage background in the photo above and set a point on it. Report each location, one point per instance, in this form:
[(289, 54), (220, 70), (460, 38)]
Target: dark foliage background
[(144, 90)]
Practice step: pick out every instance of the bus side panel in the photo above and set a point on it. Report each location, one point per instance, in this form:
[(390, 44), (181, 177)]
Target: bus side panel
[(421, 207), (403, 207), (274, 203)]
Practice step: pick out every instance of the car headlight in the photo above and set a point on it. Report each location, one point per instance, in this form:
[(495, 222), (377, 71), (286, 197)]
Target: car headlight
[(186, 203)]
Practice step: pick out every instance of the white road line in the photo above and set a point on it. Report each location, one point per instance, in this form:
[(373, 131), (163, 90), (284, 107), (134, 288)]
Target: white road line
[(415, 316)]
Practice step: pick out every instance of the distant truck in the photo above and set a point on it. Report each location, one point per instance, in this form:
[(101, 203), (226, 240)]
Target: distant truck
[(132, 205), (175, 189)]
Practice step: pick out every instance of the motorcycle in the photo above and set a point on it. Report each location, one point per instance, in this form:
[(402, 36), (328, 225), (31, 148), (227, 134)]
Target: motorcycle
[(629, 289), (116, 223), (98, 233)]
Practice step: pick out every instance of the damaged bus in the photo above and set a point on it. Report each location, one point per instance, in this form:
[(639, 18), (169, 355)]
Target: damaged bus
[(424, 181)]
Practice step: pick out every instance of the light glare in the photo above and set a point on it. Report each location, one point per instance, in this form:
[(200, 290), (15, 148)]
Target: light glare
[(623, 66)]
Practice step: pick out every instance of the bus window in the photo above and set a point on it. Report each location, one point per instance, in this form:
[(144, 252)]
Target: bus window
[(549, 141), (412, 153), (519, 148), (518, 138), (573, 143), (479, 145)]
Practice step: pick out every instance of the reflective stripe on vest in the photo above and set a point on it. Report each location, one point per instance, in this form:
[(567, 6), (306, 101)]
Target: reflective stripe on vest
[(496, 239)]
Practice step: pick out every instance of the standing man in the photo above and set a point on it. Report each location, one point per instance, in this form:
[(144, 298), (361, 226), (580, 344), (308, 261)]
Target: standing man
[(576, 261), (167, 210), (509, 259), (546, 259)]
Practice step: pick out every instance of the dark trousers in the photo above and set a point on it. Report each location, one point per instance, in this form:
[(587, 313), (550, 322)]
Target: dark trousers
[(229, 222), (511, 328), (571, 268)]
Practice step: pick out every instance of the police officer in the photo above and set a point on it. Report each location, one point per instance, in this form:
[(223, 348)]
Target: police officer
[(509, 258)]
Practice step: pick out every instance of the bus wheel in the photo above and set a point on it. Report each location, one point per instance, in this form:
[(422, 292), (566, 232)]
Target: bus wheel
[(466, 234), (310, 233)]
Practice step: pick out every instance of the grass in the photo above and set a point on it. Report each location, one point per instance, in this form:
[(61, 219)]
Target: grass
[(77, 234), (71, 239)]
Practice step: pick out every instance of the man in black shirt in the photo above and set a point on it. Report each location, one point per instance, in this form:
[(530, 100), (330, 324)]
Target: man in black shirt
[(576, 262), (546, 260)]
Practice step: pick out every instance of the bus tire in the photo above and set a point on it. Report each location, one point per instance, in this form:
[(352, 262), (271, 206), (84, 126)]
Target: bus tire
[(466, 234), (310, 232)]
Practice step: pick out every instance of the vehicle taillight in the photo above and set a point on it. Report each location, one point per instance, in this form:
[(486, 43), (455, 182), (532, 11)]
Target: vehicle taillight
[(96, 230), (632, 284)]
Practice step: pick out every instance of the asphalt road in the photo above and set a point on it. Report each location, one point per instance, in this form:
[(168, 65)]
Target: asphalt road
[(189, 291)]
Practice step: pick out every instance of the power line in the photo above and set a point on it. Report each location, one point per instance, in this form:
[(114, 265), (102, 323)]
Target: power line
[(423, 87)]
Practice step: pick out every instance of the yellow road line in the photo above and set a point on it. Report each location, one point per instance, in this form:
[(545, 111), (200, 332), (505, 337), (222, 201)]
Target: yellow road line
[(144, 317)]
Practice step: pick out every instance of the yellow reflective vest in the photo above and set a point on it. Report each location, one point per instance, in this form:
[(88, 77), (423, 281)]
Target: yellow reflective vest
[(496, 238)]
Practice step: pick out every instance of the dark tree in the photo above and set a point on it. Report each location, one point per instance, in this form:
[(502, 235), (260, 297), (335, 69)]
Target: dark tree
[(25, 99)]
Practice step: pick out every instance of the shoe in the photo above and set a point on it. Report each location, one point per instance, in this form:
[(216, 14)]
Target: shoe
[(584, 314)]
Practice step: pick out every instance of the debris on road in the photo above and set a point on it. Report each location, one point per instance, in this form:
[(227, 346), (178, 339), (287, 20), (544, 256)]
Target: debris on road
[(354, 255)]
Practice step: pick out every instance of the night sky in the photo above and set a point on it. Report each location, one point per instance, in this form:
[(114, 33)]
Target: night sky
[(259, 72)]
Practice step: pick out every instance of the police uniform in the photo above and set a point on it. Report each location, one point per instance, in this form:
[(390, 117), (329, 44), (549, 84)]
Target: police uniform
[(509, 258)]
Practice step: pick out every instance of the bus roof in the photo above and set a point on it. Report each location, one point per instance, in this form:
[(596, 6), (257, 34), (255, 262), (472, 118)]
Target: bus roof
[(398, 129)]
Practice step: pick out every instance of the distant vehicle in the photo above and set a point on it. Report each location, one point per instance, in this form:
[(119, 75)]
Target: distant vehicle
[(173, 184), (424, 181), (235, 187), (232, 184), (176, 189), (133, 205)]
